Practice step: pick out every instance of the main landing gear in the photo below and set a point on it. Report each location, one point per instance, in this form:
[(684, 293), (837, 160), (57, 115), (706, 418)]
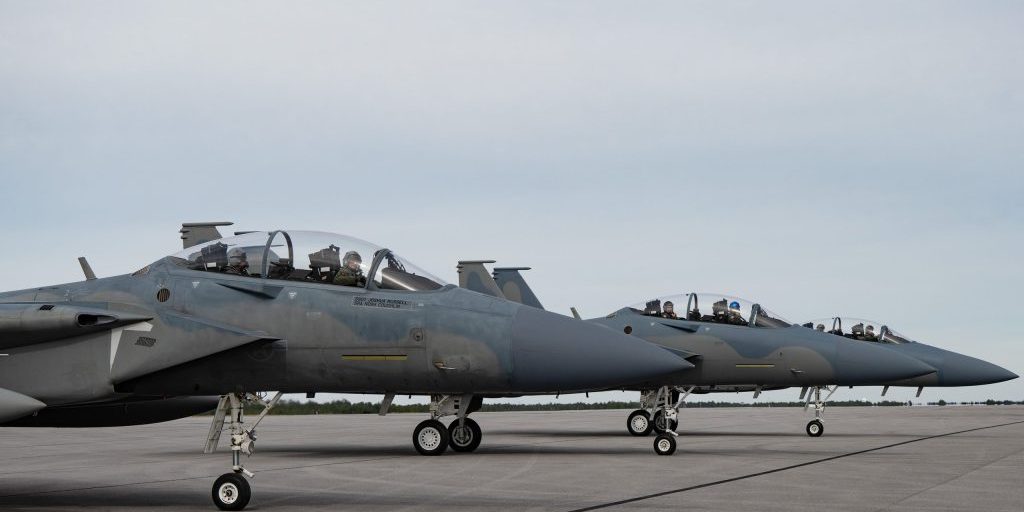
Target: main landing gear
[(463, 434), (816, 427), (231, 491), (659, 412)]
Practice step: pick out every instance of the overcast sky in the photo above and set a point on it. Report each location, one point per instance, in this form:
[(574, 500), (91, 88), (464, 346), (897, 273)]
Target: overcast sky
[(822, 158)]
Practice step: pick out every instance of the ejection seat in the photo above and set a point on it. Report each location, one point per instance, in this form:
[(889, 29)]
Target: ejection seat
[(325, 264)]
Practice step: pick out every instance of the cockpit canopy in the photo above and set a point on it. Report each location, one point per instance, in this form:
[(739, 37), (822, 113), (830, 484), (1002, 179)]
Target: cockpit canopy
[(711, 307), (858, 329), (309, 256)]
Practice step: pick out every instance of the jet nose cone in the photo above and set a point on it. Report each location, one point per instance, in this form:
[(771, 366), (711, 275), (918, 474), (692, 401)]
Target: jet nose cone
[(863, 363), (555, 353), (961, 370)]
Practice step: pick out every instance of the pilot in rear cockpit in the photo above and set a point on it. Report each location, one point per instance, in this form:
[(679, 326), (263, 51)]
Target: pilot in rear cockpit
[(735, 317), (668, 310), (350, 273), (869, 333), (238, 264)]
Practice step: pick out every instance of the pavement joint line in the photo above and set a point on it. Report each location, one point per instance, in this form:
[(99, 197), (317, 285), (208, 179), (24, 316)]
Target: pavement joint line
[(784, 468)]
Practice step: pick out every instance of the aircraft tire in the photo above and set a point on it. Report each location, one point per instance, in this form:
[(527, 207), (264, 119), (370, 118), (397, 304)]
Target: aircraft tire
[(430, 438), (815, 428), (459, 440), (658, 423), (665, 444), (639, 423), (231, 492)]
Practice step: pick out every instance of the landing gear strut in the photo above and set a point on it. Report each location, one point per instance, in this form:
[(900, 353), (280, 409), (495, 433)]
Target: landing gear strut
[(231, 491), (463, 434), (816, 427), (659, 411)]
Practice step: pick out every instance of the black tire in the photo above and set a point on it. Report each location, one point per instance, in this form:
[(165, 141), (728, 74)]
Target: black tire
[(658, 423), (665, 444), (430, 438), (466, 439), (231, 492), (815, 428), (639, 423)]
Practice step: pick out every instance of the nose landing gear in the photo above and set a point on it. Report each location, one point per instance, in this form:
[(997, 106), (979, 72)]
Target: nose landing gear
[(659, 412), (816, 427), (231, 491)]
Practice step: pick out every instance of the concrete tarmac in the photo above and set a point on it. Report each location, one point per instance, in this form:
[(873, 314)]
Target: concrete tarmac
[(878, 458)]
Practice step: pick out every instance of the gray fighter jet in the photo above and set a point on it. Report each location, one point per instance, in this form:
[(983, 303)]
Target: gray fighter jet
[(733, 343), (953, 369), (294, 312)]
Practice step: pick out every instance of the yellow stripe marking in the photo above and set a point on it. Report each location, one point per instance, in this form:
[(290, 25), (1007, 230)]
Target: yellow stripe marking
[(378, 357)]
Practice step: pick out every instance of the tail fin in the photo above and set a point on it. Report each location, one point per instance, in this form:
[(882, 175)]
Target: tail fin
[(514, 287), (195, 233), (473, 276)]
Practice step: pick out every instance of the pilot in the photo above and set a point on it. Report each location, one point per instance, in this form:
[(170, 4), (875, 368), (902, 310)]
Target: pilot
[(735, 317), (238, 264), (869, 333), (820, 327), (668, 310), (350, 273)]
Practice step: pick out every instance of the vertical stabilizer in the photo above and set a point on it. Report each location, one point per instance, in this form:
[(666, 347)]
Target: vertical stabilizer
[(195, 233), (473, 276), (514, 287)]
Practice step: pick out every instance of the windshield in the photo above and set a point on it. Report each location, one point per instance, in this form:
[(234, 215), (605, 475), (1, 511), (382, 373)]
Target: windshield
[(858, 329), (711, 307), (309, 256)]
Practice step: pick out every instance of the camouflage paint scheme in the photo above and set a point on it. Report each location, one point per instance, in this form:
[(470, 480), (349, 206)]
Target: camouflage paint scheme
[(169, 330)]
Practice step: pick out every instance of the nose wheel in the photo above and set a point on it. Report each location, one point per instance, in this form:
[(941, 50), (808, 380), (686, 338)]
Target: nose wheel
[(815, 428), (665, 444), (231, 492)]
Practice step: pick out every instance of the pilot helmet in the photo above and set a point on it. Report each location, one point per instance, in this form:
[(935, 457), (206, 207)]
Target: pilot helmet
[(352, 256), (734, 305), (236, 255), (669, 305)]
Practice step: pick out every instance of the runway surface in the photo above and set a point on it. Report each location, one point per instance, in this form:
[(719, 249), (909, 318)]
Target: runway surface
[(907, 458)]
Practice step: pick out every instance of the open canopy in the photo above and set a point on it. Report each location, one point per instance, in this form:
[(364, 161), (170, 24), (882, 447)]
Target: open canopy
[(858, 329), (310, 256), (711, 307)]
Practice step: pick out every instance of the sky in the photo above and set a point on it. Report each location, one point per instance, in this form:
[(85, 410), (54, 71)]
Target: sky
[(821, 158)]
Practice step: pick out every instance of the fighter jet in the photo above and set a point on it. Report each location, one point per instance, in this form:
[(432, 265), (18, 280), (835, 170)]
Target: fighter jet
[(953, 369), (734, 343), (293, 312)]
